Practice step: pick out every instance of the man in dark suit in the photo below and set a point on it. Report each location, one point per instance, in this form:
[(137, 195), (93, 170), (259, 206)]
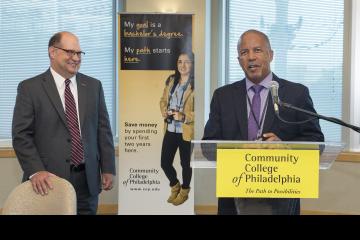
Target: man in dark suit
[(232, 117), (61, 127)]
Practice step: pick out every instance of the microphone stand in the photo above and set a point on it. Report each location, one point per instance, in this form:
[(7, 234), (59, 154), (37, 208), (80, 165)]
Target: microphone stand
[(329, 119)]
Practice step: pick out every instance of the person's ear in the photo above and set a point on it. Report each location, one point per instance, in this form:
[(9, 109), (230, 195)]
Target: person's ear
[(51, 51), (271, 54)]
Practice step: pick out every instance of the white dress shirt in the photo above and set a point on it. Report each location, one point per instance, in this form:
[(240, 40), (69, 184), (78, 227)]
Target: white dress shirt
[(60, 85)]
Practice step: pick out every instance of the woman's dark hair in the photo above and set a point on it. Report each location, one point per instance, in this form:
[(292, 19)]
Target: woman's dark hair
[(177, 73)]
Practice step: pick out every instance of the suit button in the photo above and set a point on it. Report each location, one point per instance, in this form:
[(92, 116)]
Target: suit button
[(69, 140), (67, 160)]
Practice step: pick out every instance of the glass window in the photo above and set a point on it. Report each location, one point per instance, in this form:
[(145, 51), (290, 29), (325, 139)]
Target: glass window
[(307, 39), (25, 29)]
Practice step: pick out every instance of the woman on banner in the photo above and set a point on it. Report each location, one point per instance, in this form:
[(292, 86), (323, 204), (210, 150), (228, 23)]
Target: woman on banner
[(177, 109)]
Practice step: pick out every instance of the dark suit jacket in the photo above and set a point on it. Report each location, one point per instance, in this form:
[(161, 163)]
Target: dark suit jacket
[(41, 138), (228, 118)]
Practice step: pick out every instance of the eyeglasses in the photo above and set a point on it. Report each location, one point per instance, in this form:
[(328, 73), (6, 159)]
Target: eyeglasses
[(71, 53)]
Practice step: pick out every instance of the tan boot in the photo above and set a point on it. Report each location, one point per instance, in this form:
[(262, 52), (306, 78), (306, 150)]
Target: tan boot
[(181, 197), (174, 192)]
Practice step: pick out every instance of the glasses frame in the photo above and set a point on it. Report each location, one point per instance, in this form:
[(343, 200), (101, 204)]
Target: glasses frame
[(71, 53)]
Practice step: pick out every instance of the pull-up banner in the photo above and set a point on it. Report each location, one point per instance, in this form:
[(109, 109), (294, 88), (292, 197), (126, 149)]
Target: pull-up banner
[(149, 48)]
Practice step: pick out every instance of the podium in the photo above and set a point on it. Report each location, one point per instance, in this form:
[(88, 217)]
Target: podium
[(209, 156)]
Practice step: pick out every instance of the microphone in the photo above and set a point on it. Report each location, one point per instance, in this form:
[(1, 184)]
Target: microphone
[(274, 87)]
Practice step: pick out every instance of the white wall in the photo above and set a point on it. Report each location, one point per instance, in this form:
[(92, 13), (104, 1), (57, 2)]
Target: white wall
[(339, 190)]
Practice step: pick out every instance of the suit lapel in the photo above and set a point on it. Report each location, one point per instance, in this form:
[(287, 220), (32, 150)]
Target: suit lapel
[(241, 109), (81, 87), (53, 94)]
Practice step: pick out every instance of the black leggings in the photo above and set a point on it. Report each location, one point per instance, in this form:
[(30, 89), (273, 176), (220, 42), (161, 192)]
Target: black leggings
[(171, 142)]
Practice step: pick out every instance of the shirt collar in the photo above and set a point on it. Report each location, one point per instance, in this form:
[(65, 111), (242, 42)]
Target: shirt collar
[(265, 83), (60, 80)]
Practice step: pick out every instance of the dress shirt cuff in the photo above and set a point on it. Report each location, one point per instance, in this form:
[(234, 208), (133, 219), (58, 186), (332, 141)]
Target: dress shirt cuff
[(33, 175)]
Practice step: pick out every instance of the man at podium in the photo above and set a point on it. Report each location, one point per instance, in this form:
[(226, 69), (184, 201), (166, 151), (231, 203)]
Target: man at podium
[(244, 110)]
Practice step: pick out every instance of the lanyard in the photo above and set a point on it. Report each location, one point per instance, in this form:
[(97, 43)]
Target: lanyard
[(262, 115), (182, 95)]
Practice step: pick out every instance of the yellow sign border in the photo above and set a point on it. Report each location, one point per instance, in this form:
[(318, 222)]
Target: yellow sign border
[(267, 173)]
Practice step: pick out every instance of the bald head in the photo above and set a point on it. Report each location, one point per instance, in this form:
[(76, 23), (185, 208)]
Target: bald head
[(55, 40), (261, 34)]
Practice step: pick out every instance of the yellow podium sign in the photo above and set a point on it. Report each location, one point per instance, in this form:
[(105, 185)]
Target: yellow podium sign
[(267, 173)]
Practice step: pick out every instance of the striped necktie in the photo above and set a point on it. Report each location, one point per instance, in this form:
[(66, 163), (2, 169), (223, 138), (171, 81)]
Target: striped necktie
[(77, 150)]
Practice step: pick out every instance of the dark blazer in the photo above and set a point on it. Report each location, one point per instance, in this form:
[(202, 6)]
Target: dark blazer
[(228, 119), (41, 138)]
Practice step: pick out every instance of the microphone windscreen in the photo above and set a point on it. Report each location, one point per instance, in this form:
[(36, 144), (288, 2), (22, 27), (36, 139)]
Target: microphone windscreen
[(274, 84)]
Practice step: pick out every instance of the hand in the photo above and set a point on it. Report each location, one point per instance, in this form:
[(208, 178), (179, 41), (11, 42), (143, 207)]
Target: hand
[(270, 137), (107, 181), (164, 114), (41, 182), (178, 116)]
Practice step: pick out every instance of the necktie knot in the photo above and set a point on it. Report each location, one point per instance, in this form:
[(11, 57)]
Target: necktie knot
[(257, 88), (67, 82)]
